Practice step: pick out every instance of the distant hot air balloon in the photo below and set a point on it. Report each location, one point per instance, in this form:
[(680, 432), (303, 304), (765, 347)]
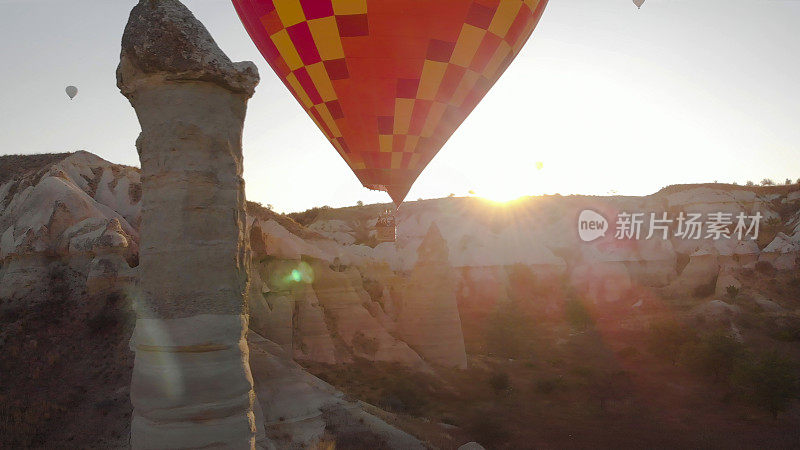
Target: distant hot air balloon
[(638, 3), (72, 91), (539, 165), (389, 81)]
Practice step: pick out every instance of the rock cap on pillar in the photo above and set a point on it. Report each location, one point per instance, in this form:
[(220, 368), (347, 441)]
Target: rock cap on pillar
[(163, 40)]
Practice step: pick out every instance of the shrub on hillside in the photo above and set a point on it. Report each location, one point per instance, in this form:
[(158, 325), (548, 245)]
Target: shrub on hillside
[(786, 328), (524, 287), (509, 332), (500, 382), (716, 355), (488, 428), (628, 353), (609, 386), (113, 314), (705, 290), (765, 268), (769, 381), (667, 339), (577, 315), (549, 385), (404, 396), (360, 440)]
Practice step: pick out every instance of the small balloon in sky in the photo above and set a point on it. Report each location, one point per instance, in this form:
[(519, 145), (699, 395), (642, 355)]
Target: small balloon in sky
[(638, 3), (72, 91), (539, 165)]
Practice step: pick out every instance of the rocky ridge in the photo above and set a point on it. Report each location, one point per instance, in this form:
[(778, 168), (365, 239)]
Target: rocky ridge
[(318, 296)]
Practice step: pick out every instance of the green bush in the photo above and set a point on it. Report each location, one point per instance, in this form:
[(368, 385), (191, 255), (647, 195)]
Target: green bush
[(770, 382), (577, 314), (705, 290), (500, 382), (765, 268), (609, 386), (786, 328), (628, 353), (716, 355), (524, 286), (549, 385), (509, 332), (487, 428), (667, 339), (405, 396)]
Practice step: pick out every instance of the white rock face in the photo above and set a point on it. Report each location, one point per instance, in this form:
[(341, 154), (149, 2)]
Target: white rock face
[(766, 304), (472, 446), (298, 407), (706, 200), (608, 282), (717, 311), (314, 342), (338, 230), (343, 298), (698, 278), (191, 385), (783, 252), (53, 212)]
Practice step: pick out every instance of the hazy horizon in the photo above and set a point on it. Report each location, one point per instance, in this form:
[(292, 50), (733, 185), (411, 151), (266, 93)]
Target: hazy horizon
[(605, 96)]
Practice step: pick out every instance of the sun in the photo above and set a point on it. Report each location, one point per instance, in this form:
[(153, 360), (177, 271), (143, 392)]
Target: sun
[(507, 184), (501, 193)]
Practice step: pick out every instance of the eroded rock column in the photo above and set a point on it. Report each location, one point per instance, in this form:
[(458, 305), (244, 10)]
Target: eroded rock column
[(429, 320), (191, 385)]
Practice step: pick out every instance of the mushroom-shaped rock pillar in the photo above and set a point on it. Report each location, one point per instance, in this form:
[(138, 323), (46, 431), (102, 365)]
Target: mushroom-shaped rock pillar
[(191, 385)]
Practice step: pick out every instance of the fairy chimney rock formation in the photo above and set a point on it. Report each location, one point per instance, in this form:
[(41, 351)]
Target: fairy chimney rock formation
[(429, 320), (191, 384)]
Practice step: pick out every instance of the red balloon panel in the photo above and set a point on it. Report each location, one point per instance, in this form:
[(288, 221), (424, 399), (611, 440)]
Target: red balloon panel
[(389, 81)]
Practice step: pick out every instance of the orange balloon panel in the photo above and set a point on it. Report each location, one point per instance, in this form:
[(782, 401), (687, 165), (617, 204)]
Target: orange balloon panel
[(389, 81)]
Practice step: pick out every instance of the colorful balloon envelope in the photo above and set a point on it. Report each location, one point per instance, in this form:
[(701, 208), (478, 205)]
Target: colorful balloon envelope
[(389, 81)]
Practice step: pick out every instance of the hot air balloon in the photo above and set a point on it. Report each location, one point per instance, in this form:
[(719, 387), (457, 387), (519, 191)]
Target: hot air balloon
[(72, 91), (389, 81), (638, 3)]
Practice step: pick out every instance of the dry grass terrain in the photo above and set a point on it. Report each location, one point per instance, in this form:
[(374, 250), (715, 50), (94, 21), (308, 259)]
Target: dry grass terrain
[(597, 378), (66, 369)]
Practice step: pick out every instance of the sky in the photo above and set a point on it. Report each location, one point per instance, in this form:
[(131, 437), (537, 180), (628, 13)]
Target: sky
[(608, 98)]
